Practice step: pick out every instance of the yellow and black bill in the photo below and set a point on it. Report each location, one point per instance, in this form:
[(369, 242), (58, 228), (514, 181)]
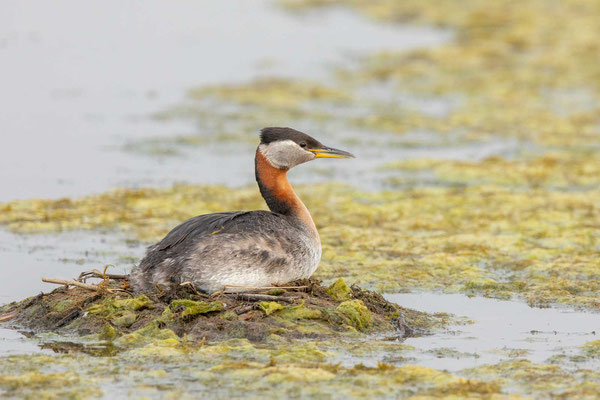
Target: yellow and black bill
[(330, 152)]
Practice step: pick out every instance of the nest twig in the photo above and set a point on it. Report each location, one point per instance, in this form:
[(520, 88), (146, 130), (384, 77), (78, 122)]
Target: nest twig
[(8, 317), (98, 274), (102, 286), (262, 297), (71, 282), (241, 289)]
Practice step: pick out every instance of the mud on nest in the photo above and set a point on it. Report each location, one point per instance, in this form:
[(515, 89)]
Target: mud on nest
[(305, 310)]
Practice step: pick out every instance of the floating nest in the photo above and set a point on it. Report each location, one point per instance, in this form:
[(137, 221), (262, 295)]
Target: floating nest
[(301, 309)]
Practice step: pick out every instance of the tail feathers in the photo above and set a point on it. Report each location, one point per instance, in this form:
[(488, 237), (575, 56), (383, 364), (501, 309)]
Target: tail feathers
[(146, 278), (139, 280)]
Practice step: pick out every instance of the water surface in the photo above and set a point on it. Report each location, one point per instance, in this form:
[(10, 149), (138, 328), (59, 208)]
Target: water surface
[(500, 330), (81, 79)]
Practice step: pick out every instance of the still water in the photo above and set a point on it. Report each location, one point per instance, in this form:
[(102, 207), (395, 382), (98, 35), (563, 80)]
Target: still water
[(498, 329), (79, 81)]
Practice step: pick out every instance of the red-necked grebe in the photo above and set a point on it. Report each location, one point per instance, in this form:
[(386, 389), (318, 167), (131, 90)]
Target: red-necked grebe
[(245, 248)]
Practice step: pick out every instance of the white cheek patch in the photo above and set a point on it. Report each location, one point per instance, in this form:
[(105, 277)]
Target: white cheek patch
[(285, 154)]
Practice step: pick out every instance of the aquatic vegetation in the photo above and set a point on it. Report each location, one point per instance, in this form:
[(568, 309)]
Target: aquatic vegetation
[(276, 93), (355, 314), (519, 74), (518, 68), (565, 170), (592, 349), (519, 224), (239, 368), (539, 244), (151, 333), (543, 380), (50, 385), (221, 343), (445, 352), (269, 307), (231, 113), (187, 317), (339, 291), (108, 307), (192, 307), (123, 209)]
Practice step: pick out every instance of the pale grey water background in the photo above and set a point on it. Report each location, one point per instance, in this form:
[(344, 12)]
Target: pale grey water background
[(79, 80), (499, 325)]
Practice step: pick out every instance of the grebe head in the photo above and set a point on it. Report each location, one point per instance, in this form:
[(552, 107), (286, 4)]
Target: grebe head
[(285, 148)]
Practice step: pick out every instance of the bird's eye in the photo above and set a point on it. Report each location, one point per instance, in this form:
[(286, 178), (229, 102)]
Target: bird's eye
[(302, 144)]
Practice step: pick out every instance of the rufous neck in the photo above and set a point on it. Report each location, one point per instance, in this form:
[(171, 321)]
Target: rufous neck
[(278, 192)]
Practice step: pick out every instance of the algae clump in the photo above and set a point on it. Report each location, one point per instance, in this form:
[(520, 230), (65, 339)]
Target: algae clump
[(269, 307), (125, 319), (339, 291), (592, 349), (148, 334), (355, 314), (300, 311), (135, 304), (196, 307), (109, 306), (108, 333)]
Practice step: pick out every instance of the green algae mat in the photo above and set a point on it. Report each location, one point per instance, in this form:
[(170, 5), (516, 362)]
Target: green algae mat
[(523, 224), (537, 244)]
